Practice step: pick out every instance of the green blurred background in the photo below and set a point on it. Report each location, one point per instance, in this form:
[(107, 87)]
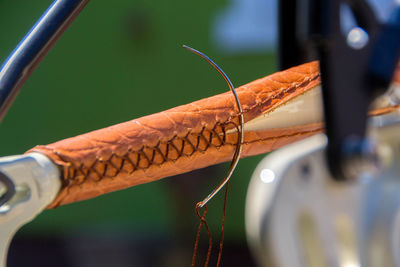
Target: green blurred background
[(118, 61)]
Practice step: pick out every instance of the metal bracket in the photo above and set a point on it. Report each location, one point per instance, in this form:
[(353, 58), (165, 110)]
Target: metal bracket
[(355, 67), (36, 182)]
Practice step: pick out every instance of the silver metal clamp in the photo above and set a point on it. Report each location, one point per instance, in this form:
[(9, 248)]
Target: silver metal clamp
[(28, 183)]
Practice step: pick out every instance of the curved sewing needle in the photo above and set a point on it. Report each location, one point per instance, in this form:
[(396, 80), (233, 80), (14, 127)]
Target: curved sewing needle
[(238, 150)]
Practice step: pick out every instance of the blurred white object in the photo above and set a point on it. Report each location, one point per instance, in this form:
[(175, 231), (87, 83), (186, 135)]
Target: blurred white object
[(246, 25), (251, 25), (302, 217)]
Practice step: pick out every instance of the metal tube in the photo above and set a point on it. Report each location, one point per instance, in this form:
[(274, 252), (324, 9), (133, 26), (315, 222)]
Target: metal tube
[(34, 46)]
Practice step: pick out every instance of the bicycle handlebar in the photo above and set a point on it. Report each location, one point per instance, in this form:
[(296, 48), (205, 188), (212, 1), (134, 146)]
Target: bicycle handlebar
[(180, 139)]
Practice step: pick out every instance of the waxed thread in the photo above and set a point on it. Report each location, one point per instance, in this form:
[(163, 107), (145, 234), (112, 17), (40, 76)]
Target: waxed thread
[(196, 243), (221, 241), (204, 222)]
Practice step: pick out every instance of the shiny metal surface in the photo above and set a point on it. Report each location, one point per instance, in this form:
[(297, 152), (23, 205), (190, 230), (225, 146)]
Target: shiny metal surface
[(35, 45), (297, 215), (36, 182)]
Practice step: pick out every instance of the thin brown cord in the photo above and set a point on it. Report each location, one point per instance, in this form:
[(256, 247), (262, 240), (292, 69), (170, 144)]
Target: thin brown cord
[(221, 241), (196, 243), (203, 221)]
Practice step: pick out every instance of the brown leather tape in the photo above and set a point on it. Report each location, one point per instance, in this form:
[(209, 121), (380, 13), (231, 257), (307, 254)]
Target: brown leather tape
[(178, 140)]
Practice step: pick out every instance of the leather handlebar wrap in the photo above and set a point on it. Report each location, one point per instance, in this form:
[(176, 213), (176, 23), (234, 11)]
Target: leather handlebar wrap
[(180, 139)]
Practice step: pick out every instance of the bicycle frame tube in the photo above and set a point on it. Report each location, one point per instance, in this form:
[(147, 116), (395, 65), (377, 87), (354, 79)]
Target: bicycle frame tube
[(34, 46)]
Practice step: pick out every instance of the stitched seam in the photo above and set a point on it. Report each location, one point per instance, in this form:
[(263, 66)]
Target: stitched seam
[(76, 175), (75, 181), (281, 94), (206, 138)]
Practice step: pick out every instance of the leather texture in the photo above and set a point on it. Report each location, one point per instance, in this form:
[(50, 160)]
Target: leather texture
[(178, 140)]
